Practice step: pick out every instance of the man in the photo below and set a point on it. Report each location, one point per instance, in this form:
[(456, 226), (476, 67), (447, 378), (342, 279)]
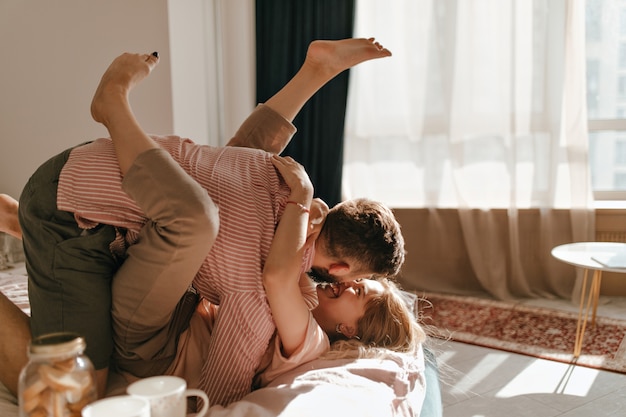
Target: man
[(68, 247)]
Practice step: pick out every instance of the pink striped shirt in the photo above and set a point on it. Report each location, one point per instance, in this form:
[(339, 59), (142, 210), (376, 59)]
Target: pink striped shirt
[(250, 195)]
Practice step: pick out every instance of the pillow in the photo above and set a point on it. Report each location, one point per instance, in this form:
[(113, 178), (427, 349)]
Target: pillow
[(390, 387)]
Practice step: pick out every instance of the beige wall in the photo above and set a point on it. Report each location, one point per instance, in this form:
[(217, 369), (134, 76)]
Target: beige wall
[(430, 254), (52, 54)]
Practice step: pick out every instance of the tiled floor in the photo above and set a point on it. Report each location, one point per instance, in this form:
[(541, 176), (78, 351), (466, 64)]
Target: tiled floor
[(481, 382)]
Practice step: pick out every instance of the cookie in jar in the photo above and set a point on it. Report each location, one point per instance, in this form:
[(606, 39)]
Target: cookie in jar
[(58, 380)]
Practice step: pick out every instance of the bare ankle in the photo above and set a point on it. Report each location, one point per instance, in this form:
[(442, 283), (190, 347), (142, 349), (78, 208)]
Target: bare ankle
[(107, 99)]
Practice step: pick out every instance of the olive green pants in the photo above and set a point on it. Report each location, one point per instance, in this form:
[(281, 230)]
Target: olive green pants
[(69, 268)]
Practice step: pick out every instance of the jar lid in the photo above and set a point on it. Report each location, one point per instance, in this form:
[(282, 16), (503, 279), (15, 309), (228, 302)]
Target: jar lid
[(60, 343)]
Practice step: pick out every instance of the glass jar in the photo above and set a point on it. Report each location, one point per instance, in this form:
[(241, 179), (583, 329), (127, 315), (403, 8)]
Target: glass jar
[(58, 380)]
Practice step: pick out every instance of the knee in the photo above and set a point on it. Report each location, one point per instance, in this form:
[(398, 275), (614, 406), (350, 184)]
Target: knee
[(211, 219), (206, 221)]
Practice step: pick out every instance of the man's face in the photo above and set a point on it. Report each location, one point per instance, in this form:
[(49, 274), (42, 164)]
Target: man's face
[(321, 275)]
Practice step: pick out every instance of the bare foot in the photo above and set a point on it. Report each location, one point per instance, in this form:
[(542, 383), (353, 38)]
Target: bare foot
[(9, 222), (126, 71), (334, 57)]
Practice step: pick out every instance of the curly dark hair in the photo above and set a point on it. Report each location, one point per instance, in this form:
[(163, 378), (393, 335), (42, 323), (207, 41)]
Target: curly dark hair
[(365, 232)]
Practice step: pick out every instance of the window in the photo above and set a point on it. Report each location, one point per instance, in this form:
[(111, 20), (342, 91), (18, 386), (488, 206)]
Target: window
[(620, 153), (622, 55), (606, 96), (622, 90), (620, 179), (593, 84)]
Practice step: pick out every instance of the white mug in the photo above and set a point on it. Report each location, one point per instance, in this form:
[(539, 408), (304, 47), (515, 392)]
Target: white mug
[(118, 406), (167, 395)]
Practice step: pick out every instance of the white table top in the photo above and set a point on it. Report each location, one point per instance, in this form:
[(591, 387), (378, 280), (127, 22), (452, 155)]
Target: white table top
[(582, 254)]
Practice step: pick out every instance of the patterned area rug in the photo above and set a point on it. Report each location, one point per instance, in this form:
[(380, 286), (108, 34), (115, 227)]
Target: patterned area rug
[(514, 327)]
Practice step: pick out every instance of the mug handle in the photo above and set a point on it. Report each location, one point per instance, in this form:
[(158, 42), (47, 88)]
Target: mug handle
[(205, 400)]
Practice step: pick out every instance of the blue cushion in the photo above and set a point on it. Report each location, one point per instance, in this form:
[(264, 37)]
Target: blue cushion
[(433, 406)]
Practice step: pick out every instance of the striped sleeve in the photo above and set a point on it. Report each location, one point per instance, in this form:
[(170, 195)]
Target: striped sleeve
[(241, 335)]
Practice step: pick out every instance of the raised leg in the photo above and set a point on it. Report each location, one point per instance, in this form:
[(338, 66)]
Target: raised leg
[(110, 106), (182, 226), (323, 62)]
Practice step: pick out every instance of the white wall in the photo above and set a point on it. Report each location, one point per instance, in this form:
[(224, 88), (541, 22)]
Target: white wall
[(52, 54), (213, 67), (239, 62)]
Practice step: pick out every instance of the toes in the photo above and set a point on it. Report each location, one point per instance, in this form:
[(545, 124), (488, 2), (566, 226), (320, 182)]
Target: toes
[(151, 59), (154, 56)]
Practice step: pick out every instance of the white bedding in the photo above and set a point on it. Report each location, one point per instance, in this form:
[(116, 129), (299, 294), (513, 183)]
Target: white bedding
[(365, 387), (8, 403), (335, 389)]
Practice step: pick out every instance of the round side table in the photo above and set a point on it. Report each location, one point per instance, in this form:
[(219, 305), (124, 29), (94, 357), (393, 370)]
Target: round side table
[(596, 257)]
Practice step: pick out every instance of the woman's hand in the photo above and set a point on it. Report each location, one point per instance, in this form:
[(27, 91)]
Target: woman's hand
[(296, 178), (317, 215)]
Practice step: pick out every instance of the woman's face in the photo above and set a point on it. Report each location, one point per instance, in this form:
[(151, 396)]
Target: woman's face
[(344, 303)]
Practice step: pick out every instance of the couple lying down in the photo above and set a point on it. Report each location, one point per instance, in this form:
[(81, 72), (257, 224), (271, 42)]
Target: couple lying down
[(198, 258)]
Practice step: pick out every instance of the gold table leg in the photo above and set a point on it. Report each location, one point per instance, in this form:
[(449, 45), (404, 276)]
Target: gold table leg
[(597, 280), (592, 303)]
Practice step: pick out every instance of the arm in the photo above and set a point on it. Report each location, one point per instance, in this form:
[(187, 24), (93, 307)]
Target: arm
[(282, 269)]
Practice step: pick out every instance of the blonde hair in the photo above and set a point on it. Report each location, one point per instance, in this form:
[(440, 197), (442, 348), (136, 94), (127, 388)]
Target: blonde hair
[(388, 324)]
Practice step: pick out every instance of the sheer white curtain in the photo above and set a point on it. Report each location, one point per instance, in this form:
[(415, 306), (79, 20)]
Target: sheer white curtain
[(481, 109)]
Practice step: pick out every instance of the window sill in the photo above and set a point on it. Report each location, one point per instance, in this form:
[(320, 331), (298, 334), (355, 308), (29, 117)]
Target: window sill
[(610, 205)]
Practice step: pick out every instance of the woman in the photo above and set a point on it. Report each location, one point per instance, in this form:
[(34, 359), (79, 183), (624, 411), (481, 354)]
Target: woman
[(360, 318)]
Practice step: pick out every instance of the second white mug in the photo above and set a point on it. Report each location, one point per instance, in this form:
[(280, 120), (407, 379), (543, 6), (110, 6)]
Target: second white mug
[(167, 395)]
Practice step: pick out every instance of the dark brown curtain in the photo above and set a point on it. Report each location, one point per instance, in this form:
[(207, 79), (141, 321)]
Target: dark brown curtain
[(284, 29)]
